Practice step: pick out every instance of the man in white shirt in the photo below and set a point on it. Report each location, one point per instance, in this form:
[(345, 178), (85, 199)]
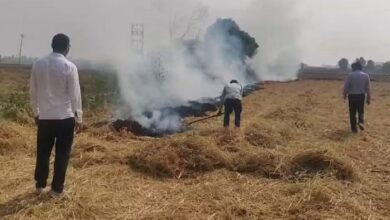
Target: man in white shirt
[(357, 88), (231, 98), (56, 101)]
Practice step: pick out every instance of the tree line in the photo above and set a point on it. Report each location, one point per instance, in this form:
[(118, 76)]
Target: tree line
[(369, 66), (15, 60)]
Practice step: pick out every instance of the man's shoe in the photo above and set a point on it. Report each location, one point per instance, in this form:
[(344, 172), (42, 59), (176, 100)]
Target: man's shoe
[(55, 194), (40, 190), (361, 126)]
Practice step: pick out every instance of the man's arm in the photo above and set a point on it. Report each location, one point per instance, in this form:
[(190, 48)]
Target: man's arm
[(33, 92), (368, 89), (222, 100), (346, 86), (75, 94)]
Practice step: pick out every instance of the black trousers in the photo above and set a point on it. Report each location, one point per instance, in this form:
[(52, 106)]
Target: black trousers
[(230, 106), (59, 133), (356, 105)]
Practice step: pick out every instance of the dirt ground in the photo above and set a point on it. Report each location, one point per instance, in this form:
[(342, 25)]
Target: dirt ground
[(293, 158)]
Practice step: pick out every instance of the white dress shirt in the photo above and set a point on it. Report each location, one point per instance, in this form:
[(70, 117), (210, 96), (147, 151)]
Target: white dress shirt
[(55, 89), (232, 91)]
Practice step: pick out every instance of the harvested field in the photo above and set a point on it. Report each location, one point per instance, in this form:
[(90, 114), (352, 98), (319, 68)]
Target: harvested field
[(293, 158)]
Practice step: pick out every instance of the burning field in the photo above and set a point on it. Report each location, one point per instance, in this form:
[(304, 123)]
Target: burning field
[(198, 108), (293, 158), (184, 78)]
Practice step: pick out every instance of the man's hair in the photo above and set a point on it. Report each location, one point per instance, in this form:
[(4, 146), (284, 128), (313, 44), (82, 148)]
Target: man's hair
[(234, 81), (357, 66), (60, 42)]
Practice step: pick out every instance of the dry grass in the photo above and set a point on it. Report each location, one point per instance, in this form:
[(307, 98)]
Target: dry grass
[(292, 159), (11, 140), (179, 158), (261, 135), (194, 156), (312, 163)]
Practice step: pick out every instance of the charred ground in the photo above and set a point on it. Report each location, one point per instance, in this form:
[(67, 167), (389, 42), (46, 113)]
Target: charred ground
[(196, 108)]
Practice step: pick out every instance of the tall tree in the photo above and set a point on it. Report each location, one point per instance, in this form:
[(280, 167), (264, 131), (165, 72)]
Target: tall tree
[(363, 61), (386, 67), (343, 64), (227, 34), (371, 66)]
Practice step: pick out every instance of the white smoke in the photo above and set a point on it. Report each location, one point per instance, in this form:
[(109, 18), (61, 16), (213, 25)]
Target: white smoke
[(277, 26), (103, 33), (171, 76), (168, 74)]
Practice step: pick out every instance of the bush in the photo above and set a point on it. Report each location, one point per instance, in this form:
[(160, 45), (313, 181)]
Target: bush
[(98, 90), (15, 106)]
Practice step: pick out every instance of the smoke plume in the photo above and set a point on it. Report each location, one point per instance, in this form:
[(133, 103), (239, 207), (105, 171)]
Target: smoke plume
[(187, 55), (277, 25), (183, 71), (197, 64)]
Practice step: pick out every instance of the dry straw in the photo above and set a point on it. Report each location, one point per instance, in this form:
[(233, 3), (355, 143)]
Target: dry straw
[(289, 160)]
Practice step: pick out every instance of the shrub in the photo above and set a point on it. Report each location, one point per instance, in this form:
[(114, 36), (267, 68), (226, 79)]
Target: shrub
[(15, 106)]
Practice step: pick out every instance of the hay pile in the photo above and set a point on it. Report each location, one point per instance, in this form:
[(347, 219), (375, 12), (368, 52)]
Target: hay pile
[(192, 156), (260, 164), (11, 141), (263, 136), (317, 163), (87, 154), (177, 159)]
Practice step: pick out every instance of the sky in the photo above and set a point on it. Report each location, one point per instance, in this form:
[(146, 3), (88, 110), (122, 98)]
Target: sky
[(331, 29), (348, 28), (321, 31)]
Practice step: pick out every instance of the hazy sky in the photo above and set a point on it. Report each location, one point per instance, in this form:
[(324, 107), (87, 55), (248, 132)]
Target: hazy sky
[(328, 29), (336, 28)]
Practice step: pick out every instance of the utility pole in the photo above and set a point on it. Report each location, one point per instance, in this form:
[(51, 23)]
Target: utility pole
[(137, 38), (158, 67), (21, 48)]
